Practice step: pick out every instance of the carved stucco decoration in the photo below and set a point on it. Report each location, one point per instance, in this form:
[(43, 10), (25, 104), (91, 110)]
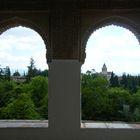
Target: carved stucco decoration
[(17, 21), (65, 30), (65, 34), (115, 20)]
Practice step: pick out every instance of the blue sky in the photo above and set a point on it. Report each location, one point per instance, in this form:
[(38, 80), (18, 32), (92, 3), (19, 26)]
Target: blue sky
[(113, 45)]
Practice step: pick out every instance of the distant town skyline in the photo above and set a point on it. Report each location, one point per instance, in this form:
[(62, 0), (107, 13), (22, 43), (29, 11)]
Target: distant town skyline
[(115, 46)]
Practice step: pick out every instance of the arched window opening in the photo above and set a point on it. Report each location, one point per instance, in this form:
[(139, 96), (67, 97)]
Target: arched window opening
[(23, 75), (110, 77)]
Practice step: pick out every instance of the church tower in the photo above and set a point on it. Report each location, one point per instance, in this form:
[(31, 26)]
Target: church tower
[(104, 69)]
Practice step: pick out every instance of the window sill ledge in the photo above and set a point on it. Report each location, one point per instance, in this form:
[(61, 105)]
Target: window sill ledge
[(110, 125), (23, 123)]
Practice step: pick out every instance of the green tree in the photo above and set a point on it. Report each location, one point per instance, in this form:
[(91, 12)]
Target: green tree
[(120, 98), (21, 108), (95, 105), (1, 73), (39, 92), (16, 73), (135, 106), (138, 80), (123, 81), (44, 73), (6, 92), (7, 73), (132, 83), (31, 70), (114, 82)]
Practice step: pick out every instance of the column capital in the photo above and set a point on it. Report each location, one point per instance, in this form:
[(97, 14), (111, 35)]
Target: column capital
[(65, 33)]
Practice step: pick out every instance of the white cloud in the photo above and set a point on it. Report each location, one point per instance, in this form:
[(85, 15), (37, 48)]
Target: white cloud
[(115, 46), (119, 49), (16, 49)]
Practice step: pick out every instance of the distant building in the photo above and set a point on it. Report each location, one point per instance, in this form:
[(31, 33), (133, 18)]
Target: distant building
[(19, 79), (105, 73)]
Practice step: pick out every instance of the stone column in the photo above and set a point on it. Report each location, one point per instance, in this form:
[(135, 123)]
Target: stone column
[(64, 73), (64, 96)]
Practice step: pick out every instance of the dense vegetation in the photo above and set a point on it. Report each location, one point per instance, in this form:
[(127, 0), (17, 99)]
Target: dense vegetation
[(24, 100), (114, 100), (117, 99)]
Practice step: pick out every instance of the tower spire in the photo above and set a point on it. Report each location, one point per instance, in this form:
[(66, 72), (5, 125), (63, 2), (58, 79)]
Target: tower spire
[(104, 69)]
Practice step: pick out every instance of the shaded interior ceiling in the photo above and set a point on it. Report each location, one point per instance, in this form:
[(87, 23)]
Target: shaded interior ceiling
[(81, 4)]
